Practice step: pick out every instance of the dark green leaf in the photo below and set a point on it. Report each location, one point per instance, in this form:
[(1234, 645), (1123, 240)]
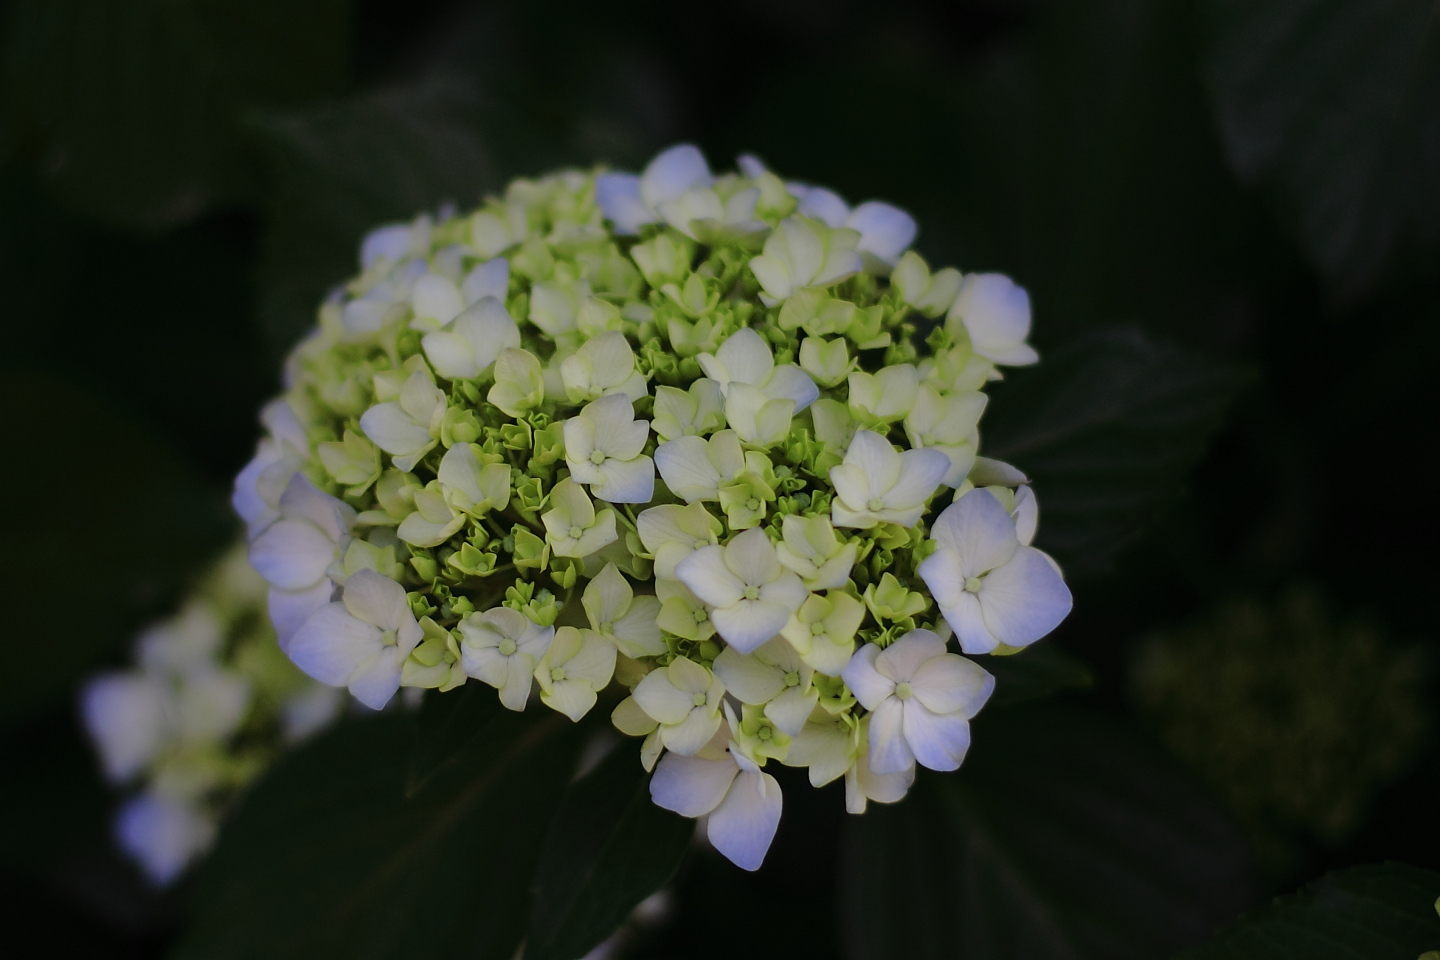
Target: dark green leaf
[(1378, 912), (134, 106), (1107, 428), (108, 526), (327, 857), (1063, 837), (343, 170), (1334, 106), (450, 726), (609, 848), (1035, 672)]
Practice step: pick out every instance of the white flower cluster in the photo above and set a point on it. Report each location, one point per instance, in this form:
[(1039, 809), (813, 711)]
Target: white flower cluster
[(207, 705), (678, 431)]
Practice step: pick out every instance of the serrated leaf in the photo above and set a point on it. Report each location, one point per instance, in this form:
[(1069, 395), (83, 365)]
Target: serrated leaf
[(1108, 428), (1335, 107), (328, 857), (135, 106), (1379, 912), (609, 847), (1063, 837), (345, 169), (1035, 672)]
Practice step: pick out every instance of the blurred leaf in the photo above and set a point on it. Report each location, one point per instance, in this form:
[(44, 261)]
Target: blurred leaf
[(1063, 837), (134, 106), (342, 170), (106, 525), (1378, 912), (609, 847), (327, 857), (1108, 428), (449, 726), (1035, 672), (1335, 107)]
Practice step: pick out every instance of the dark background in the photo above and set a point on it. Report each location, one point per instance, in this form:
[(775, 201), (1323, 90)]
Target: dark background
[(1241, 198)]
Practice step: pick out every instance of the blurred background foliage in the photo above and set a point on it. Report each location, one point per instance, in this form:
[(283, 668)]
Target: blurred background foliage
[(1227, 213)]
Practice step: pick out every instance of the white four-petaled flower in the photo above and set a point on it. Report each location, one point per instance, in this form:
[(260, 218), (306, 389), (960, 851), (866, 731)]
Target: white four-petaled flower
[(603, 448), (360, 642), (742, 801), (920, 700), (875, 483), (992, 588), (751, 595), (501, 647)]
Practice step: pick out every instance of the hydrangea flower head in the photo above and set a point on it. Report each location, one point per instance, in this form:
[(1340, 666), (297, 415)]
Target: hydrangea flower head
[(701, 448)]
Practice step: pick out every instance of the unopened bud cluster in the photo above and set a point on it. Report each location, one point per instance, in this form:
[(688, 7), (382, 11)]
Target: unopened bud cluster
[(675, 432)]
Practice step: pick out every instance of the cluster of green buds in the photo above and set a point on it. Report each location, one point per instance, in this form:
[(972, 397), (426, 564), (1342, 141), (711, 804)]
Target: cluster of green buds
[(207, 706), (709, 439)]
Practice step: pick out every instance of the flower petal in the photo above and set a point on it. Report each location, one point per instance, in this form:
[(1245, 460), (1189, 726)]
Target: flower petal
[(952, 684), (889, 751), (691, 786), (869, 685), (979, 530), (903, 658), (749, 679), (744, 824), (292, 554), (1025, 599), (332, 644), (747, 624), (939, 742)]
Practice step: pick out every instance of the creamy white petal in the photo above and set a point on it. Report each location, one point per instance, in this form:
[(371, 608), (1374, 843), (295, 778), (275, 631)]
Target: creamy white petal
[(748, 678), (625, 481), (289, 609), (952, 684), (709, 578), (376, 681), (747, 624)]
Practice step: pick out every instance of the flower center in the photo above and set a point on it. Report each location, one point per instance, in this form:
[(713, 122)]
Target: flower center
[(575, 532), (752, 504), (752, 593), (606, 626), (701, 616), (903, 691), (972, 584), (698, 699), (598, 457), (875, 505), (388, 637), (558, 673), (763, 733), (817, 629), (792, 679), (507, 647)]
